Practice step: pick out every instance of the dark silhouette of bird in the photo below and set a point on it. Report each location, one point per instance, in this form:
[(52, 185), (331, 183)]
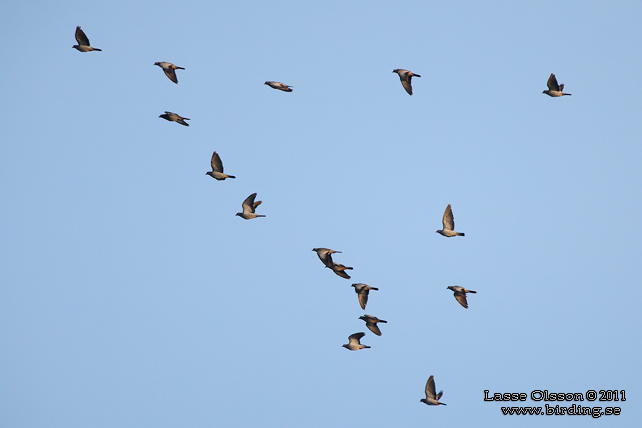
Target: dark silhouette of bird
[(406, 77), (278, 85), (217, 168), (340, 270), (554, 90), (371, 323), (169, 69), (325, 255), (248, 208), (362, 291), (432, 398), (460, 294), (83, 42), (173, 117)]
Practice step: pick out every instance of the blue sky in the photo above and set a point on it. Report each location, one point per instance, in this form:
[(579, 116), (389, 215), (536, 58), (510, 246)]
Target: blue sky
[(133, 297)]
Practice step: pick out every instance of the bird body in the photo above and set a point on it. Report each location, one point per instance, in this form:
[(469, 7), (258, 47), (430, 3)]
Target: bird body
[(249, 206), (432, 398), (278, 85), (406, 77), (217, 168), (354, 342), (173, 117), (554, 89), (362, 291), (371, 323), (448, 222), (460, 294), (169, 69), (83, 42)]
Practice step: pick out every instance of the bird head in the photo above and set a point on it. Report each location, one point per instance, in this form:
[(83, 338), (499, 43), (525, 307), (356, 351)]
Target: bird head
[(157, 63), (239, 214)]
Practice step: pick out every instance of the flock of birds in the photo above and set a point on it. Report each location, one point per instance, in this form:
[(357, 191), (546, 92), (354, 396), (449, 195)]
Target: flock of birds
[(325, 254)]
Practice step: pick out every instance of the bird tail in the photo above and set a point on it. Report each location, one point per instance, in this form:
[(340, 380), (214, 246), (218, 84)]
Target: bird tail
[(383, 321), (471, 291), (231, 176), (461, 234), (260, 215), (349, 268), (372, 288), (100, 50), (416, 75), (366, 346), (180, 68)]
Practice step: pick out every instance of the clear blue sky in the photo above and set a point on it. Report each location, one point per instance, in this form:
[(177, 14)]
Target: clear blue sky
[(132, 296)]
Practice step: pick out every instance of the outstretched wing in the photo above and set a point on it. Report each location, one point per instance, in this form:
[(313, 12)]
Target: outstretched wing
[(217, 165), (448, 221), (552, 83), (81, 37)]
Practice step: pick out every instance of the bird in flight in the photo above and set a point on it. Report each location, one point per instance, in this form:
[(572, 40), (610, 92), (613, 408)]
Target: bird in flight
[(460, 294), (248, 208), (83, 42), (554, 90), (406, 77), (354, 343), (325, 255), (278, 85), (173, 117), (217, 168), (371, 323), (448, 223), (340, 270), (362, 291), (432, 398), (169, 69)]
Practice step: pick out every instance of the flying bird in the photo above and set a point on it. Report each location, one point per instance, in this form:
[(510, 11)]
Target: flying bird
[(340, 269), (460, 294), (432, 398), (278, 85), (248, 208), (217, 168), (354, 343), (173, 117), (169, 69), (554, 90), (448, 223), (406, 77), (83, 42), (371, 323), (325, 255), (362, 291)]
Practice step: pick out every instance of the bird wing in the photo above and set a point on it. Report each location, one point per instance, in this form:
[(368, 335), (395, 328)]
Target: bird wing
[(248, 203), (448, 221), (354, 338), (552, 83), (341, 273), (405, 81), (326, 257), (169, 72), (373, 328), (430, 388), (256, 204), (217, 165), (81, 37), (461, 298), (363, 298)]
